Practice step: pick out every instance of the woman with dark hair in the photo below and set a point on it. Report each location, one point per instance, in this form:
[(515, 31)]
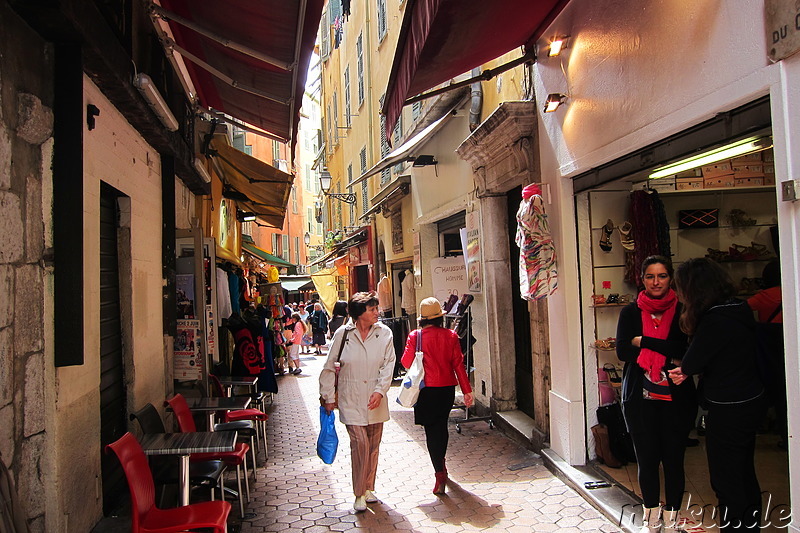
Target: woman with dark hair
[(363, 350), (339, 316), (723, 349), (444, 367), (658, 412)]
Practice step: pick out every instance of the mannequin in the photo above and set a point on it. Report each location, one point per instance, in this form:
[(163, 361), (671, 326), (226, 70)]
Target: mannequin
[(385, 296), (408, 301)]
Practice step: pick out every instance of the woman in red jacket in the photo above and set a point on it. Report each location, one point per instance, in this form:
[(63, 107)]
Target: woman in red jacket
[(444, 367)]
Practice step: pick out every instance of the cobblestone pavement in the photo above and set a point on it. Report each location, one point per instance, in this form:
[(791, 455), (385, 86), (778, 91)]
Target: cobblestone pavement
[(496, 485)]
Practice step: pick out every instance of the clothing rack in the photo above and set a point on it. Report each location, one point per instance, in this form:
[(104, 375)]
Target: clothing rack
[(461, 324)]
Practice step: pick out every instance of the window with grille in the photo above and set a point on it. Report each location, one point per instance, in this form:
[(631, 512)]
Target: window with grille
[(285, 251), (360, 67), (294, 199), (350, 173), (347, 112), (297, 250), (276, 153), (325, 34), (307, 176), (310, 217), (397, 133), (386, 174), (276, 245), (363, 158), (381, 19)]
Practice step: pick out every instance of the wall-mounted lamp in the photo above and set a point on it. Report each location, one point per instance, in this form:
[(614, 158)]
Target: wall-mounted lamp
[(556, 45), (424, 160), (245, 216), (325, 180), (745, 146), (554, 101), (202, 170), (145, 84)]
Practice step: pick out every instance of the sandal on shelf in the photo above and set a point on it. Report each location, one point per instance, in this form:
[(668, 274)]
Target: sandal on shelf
[(625, 236), (605, 238), (760, 250), (717, 255)]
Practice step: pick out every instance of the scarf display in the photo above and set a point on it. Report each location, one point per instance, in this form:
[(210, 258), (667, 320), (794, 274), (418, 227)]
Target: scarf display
[(653, 362)]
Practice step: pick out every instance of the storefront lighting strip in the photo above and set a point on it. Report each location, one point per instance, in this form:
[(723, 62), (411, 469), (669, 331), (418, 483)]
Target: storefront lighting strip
[(736, 149)]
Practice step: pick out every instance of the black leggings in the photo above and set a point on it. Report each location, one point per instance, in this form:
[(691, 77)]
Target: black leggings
[(664, 442), (437, 437)]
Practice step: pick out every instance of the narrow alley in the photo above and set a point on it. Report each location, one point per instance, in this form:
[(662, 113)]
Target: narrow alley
[(496, 484)]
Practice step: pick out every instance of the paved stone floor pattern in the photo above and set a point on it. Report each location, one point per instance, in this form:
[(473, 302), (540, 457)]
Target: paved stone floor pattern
[(295, 492)]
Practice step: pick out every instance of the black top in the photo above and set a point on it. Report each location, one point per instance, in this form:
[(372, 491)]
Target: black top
[(723, 349), (674, 346)]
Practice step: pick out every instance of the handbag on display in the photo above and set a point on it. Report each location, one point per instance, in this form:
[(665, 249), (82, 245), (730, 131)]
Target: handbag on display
[(337, 365), (328, 440), (414, 379)]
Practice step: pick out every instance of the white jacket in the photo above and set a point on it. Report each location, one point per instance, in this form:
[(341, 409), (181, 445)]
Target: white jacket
[(366, 367)]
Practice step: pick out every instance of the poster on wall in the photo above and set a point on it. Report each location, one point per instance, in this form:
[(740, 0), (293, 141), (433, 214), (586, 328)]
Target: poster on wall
[(448, 276), (397, 232), (471, 242), (417, 261), (211, 341), (187, 364), (184, 298)]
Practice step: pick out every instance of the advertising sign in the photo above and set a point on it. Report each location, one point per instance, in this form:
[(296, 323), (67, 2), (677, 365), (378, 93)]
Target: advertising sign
[(187, 363), (448, 276), (471, 240), (782, 28), (417, 261)]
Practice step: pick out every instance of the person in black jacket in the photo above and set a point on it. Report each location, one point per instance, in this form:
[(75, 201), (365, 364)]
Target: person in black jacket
[(723, 349), (658, 412)]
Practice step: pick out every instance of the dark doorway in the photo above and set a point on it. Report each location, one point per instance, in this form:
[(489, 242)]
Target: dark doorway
[(113, 423), (521, 317), (362, 278)]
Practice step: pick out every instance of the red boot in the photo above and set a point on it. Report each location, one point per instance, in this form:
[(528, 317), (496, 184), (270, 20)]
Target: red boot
[(441, 482)]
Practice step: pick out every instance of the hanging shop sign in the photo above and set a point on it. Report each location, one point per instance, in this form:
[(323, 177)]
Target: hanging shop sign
[(187, 363), (448, 277), (782, 27), (397, 232), (471, 242)]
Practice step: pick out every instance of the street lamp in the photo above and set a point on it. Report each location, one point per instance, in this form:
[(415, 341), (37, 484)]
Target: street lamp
[(325, 179)]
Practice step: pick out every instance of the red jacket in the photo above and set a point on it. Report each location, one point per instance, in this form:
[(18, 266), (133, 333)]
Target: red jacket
[(443, 360)]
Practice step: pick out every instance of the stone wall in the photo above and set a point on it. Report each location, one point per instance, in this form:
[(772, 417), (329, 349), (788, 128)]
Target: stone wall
[(26, 129)]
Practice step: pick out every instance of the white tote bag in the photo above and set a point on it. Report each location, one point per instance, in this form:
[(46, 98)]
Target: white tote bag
[(414, 379)]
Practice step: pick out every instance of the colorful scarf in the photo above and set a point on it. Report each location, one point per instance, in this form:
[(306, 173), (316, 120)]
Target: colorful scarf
[(650, 361)]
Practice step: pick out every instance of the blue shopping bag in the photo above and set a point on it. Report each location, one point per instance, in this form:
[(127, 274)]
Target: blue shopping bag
[(328, 441)]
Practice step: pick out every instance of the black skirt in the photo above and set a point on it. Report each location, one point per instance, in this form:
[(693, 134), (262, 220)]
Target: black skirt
[(434, 405), (319, 336)]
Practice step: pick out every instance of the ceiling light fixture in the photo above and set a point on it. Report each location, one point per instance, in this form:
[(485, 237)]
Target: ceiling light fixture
[(745, 146), (145, 84), (556, 45), (245, 216), (554, 101)]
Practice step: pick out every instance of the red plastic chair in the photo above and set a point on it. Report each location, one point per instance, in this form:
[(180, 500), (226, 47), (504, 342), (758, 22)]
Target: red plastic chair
[(237, 458), (255, 415), (145, 516)]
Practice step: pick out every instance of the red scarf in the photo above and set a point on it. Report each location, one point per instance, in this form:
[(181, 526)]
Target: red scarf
[(650, 361)]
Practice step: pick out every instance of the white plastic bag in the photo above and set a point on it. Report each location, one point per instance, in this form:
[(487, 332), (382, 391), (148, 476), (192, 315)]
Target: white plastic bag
[(414, 379)]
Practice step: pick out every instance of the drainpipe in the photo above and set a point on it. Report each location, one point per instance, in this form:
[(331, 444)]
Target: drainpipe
[(476, 94)]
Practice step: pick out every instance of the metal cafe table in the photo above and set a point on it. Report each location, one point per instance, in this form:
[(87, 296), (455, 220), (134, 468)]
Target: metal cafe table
[(184, 444), (238, 381), (211, 405)]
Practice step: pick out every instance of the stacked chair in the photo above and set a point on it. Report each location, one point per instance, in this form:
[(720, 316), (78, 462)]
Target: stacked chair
[(256, 416)]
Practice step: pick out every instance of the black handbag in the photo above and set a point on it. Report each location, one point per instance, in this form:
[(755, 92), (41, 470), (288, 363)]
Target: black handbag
[(620, 440)]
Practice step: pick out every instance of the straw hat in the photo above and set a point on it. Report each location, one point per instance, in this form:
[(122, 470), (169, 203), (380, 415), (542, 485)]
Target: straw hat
[(430, 308)]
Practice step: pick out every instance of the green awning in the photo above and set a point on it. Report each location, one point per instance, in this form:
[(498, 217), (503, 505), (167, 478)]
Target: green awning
[(265, 256)]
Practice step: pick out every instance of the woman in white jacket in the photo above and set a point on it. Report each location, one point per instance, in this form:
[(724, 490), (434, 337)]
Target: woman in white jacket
[(365, 375)]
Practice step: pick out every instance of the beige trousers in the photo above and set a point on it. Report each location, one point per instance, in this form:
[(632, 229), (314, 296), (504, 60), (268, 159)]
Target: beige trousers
[(365, 443)]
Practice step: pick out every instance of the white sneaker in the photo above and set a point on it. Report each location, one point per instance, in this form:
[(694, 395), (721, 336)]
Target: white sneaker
[(370, 497), (360, 504)]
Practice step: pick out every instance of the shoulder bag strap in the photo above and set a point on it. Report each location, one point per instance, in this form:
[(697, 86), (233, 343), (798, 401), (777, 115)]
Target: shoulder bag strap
[(775, 312), (341, 346), (419, 340)]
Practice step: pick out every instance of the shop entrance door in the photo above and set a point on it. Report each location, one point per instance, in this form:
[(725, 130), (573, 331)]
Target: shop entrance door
[(521, 316), (113, 423)]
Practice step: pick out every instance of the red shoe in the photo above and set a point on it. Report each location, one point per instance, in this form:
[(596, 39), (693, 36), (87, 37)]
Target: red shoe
[(441, 483)]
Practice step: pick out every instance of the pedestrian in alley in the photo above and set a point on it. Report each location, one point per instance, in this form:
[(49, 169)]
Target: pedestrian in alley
[(659, 413), (723, 349), (299, 329), (319, 326), (364, 351), (444, 367), (339, 316)]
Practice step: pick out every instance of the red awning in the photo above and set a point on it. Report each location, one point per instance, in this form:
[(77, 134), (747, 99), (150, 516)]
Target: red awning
[(440, 39), (259, 77)]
